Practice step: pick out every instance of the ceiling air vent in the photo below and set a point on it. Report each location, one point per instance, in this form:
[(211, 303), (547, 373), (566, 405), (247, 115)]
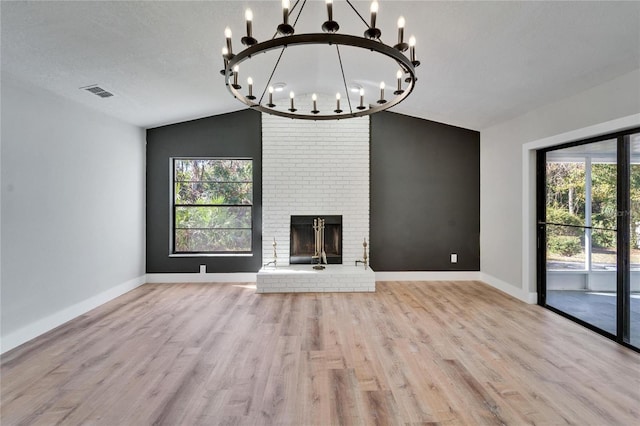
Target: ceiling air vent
[(98, 91)]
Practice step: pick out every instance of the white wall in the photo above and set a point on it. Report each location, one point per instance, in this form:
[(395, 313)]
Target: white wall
[(503, 164), (73, 190)]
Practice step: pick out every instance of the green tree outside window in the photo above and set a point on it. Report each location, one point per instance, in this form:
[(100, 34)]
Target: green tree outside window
[(213, 201)]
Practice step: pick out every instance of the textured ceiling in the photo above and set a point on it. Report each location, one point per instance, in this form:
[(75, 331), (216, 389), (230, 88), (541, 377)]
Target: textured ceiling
[(482, 62)]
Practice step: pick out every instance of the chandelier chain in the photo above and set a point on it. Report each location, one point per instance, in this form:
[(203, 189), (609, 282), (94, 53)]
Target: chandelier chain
[(304, 2)]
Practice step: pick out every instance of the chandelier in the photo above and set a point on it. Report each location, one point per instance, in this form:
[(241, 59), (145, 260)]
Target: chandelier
[(285, 39)]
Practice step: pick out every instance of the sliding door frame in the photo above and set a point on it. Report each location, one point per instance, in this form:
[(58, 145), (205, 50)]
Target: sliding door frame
[(623, 223), (624, 247)]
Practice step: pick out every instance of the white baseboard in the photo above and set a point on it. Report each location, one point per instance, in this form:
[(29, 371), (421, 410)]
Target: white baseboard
[(237, 277), (505, 287), (251, 277), (50, 322), (428, 276)]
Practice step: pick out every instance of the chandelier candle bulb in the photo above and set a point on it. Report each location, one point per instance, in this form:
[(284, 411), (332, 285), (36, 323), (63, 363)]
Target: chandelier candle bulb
[(285, 28), (361, 99), (401, 46), (374, 12), (412, 48), (225, 54), (314, 98), (270, 104), (248, 40), (236, 69), (250, 83), (338, 110), (285, 11), (292, 95), (227, 35), (412, 51), (399, 91), (249, 17), (330, 26), (382, 100), (372, 32)]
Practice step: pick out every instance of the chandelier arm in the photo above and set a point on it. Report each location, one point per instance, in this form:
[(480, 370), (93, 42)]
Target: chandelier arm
[(344, 80), (358, 13)]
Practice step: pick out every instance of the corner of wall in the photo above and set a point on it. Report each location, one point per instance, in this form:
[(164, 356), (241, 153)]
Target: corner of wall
[(43, 325), (508, 168), (505, 287)]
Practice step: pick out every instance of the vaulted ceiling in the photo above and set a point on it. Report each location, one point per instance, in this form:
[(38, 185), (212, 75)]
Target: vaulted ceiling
[(482, 62)]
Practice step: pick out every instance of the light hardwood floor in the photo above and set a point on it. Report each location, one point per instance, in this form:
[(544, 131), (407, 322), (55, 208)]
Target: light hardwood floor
[(413, 353)]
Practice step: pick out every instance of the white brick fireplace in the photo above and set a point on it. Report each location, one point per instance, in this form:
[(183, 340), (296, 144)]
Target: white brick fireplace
[(315, 168)]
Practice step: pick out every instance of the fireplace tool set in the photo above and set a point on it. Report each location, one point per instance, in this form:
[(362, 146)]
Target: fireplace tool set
[(320, 254)]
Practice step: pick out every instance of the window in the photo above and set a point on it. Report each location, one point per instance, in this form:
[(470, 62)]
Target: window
[(581, 210), (212, 205)]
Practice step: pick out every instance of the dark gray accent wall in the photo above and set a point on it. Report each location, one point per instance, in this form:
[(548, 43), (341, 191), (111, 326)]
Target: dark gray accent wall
[(237, 134), (425, 195)]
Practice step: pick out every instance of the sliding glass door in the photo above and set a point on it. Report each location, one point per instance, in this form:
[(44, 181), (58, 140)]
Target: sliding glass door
[(587, 238)]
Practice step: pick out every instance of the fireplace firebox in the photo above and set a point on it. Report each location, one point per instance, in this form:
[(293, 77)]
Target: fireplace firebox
[(302, 241)]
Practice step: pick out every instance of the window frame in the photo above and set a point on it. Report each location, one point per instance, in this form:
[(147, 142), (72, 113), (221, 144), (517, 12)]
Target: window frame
[(173, 206)]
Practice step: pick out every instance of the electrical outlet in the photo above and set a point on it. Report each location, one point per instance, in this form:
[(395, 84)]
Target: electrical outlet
[(454, 258), (203, 269)]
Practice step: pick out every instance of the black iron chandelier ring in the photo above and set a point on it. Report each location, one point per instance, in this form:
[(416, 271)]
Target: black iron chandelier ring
[(406, 65)]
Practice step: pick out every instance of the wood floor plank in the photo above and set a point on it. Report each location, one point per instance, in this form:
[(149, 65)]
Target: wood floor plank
[(413, 353), (380, 408), (313, 390), (346, 408)]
